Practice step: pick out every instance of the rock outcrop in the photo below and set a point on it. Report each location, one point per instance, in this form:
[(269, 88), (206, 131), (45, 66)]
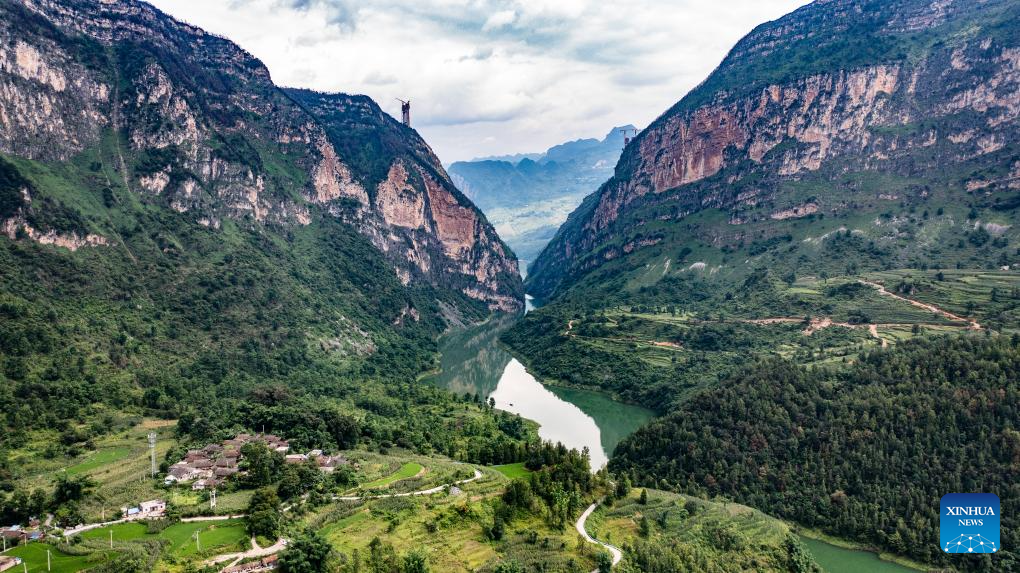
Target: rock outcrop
[(199, 127), (885, 88)]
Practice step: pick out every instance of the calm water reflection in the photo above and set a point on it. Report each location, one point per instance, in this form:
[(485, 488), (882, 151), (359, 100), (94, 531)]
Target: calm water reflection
[(473, 362)]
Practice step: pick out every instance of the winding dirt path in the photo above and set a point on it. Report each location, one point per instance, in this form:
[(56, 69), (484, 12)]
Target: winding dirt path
[(615, 551), (255, 551), (974, 324)]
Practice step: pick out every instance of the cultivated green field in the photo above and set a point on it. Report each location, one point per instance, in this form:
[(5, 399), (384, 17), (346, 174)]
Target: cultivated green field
[(512, 471), (408, 470), (34, 556), (215, 536)]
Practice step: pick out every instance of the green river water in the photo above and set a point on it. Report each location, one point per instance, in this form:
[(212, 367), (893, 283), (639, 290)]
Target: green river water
[(839, 560)]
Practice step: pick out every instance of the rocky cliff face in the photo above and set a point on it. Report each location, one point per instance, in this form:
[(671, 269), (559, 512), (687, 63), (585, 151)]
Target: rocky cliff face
[(198, 126), (911, 88)]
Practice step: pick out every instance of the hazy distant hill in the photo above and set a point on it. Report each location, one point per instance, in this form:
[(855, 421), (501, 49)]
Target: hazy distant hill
[(528, 195)]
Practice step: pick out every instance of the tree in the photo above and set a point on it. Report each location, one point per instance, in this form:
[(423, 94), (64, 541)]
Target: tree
[(309, 553), (643, 500), (264, 513), (262, 464), (603, 561), (290, 484), (346, 430), (72, 488), (645, 528), (416, 562), (622, 487)]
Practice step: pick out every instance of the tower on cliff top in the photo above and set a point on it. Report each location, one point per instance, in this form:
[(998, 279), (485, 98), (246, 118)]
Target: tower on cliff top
[(405, 111), (629, 133)]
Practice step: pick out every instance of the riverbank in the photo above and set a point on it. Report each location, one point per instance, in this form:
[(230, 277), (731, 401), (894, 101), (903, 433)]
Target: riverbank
[(843, 552)]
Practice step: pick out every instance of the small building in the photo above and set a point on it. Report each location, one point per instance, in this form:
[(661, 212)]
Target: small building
[(198, 485), (13, 532), (328, 464), (152, 509), (9, 562), (295, 458), (268, 563)]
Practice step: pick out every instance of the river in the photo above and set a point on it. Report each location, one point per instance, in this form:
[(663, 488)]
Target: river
[(472, 361), (835, 559)]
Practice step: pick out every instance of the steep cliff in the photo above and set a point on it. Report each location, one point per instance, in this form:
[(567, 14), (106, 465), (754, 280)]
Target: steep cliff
[(843, 115), (192, 123)]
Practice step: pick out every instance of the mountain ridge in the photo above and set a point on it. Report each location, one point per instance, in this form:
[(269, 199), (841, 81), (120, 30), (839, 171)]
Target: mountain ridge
[(804, 106), (217, 136)]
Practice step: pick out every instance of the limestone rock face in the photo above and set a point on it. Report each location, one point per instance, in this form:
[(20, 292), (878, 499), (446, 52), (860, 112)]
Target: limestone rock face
[(793, 98), (198, 126)]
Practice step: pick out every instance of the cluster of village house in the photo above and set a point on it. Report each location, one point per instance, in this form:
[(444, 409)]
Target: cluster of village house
[(213, 464), (16, 534), (204, 468)]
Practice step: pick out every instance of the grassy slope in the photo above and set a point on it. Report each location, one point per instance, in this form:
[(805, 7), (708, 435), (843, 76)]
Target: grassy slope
[(711, 535)]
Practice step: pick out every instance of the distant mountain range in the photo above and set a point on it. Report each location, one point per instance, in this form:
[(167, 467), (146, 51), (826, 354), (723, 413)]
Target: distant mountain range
[(527, 196)]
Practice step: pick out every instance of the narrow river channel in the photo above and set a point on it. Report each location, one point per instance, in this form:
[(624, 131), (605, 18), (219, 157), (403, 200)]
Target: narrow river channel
[(473, 362)]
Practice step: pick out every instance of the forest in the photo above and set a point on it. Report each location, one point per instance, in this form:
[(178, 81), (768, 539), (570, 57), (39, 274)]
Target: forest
[(863, 453)]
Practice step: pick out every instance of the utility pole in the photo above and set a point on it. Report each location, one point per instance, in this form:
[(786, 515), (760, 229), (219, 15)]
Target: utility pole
[(152, 452), (212, 499), (47, 559), (111, 538), (198, 542)]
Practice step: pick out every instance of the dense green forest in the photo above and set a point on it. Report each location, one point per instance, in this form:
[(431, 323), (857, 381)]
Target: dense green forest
[(863, 453)]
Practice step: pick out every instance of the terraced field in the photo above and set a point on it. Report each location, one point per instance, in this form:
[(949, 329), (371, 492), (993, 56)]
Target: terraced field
[(214, 536)]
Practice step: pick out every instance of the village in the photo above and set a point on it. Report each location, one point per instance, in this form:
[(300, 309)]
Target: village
[(206, 468), (212, 465)]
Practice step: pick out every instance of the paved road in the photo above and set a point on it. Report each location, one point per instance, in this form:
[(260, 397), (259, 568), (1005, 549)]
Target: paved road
[(617, 554)]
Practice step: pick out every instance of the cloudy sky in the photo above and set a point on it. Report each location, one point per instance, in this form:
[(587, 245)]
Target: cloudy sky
[(490, 77)]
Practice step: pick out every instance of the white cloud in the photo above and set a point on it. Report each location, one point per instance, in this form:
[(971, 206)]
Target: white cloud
[(499, 20), (491, 77)]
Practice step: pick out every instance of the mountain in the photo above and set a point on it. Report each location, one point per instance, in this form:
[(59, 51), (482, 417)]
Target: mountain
[(178, 230), (809, 267), (842, 115), (205, 132), (528, 196)]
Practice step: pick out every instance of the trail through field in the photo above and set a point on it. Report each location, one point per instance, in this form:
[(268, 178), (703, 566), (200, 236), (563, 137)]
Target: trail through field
[(430, 491), (255, 551), (929, 307), (873, 329), (616, 553)]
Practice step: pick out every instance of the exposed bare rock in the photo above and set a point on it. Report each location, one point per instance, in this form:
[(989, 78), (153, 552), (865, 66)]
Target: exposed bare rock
[(763, 120), (195, 124)]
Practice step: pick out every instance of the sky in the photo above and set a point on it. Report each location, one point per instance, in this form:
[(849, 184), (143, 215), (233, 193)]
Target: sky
[(492, 77)]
